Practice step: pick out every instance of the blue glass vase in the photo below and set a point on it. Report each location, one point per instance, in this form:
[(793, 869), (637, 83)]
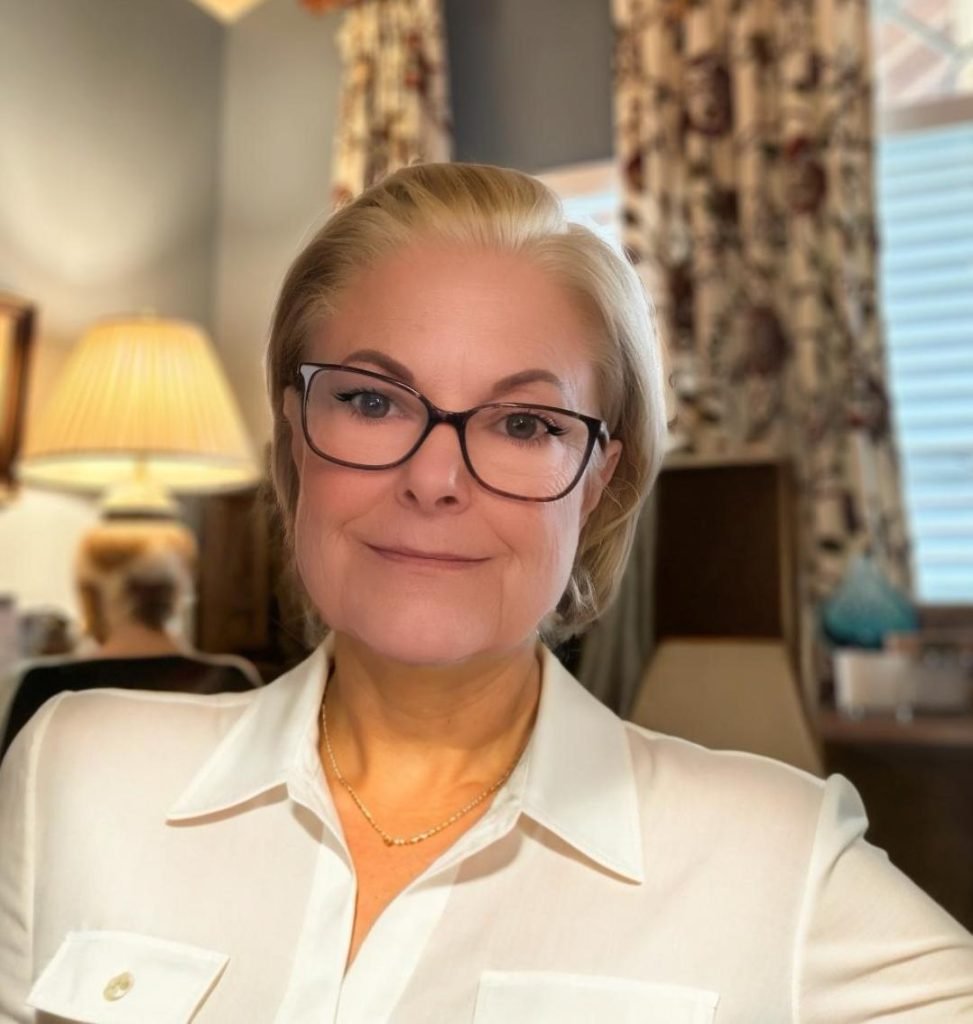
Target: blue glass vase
[(866, 607)]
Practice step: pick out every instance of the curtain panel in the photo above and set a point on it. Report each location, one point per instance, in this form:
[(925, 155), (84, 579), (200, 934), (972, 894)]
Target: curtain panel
[(744, 133), (394, 104)]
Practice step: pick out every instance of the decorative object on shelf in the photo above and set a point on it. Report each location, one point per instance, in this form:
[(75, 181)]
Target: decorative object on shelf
[(857, 619), (941, 666), (16, 337), (141, 408), (394, 104), (873, 682), (866, 608)]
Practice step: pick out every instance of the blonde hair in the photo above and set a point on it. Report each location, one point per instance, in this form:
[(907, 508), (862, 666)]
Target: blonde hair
[(134, 571), (475, 205)]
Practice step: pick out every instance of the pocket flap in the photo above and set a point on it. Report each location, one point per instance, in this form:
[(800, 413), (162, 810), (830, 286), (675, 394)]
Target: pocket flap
[(124, 978), (543, 997)]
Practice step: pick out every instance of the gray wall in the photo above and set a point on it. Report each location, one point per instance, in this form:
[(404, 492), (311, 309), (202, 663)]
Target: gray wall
[(109, 129), (531, 81), (280, 98)]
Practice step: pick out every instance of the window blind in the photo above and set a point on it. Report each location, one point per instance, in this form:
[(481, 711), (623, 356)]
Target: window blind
[(925, 209)]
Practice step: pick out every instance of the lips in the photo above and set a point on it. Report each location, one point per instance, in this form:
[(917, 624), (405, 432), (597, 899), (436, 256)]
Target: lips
[(425, 557)]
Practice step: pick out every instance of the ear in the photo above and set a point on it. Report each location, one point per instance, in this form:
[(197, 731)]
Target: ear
[(292, 413), (599, 479)]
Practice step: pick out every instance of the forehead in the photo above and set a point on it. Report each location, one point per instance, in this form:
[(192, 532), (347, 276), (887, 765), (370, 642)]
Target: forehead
[(461, 318)]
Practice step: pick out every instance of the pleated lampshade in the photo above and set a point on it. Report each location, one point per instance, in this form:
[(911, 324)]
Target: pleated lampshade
[(140, 398)]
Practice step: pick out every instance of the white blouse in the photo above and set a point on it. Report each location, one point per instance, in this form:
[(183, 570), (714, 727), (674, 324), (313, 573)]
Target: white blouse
[(169, 858)]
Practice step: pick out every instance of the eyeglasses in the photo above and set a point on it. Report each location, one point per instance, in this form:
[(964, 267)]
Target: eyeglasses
[(367, 420)]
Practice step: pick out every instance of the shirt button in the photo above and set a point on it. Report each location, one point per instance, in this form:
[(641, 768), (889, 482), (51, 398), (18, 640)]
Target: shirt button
[(119, 986)]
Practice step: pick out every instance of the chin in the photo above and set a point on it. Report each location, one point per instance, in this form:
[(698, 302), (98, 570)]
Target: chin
[(431, 634), (416, 650)]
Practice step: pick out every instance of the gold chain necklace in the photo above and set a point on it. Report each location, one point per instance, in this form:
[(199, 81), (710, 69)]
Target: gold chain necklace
[(391, 840)]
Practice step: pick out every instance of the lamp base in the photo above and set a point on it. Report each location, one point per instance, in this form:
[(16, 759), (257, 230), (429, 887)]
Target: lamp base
[(140, 498)]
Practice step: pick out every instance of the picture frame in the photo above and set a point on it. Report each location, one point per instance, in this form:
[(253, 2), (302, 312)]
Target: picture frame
[(17, 320)]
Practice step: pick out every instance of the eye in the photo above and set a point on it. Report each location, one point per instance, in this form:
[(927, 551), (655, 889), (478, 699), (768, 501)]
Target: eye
[(370, 404), (526, 426), (522, 426)]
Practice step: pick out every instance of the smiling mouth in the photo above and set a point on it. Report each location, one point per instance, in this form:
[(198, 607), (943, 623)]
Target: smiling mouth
[(439, 559)]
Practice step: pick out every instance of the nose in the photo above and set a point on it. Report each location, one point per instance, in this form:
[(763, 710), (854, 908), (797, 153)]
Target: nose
[(436, 479)]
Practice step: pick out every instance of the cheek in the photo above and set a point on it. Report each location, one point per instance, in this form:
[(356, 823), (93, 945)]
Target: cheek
[(330, 498), (566, 543), (546, 550), (331, 495), (311, 535), (315, 510)]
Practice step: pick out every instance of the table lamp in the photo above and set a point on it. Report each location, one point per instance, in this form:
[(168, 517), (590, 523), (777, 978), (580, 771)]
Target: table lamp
[(142, 408)]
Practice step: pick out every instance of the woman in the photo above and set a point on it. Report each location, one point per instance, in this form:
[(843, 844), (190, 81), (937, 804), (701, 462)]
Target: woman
[(429, 820), (134, 579)]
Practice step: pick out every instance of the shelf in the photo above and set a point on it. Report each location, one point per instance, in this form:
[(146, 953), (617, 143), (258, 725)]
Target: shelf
[(923, 730)]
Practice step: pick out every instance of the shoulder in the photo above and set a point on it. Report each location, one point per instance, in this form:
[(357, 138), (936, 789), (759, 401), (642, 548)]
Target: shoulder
[(35, 667), (103, 740), (38, 673), (682, 764), (736, 802), (125, 716)]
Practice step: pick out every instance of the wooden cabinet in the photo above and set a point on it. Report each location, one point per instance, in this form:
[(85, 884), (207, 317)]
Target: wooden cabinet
[(916, 779), (248, 597)]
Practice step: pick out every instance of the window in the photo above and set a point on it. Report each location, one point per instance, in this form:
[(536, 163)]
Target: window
[(592, 195), (924, 92)]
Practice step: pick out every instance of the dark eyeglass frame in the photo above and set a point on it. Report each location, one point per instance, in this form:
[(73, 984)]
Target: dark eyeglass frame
[(597, 429)]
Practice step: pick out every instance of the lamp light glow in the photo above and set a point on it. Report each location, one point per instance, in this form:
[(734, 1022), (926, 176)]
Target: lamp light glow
[(140, 398)]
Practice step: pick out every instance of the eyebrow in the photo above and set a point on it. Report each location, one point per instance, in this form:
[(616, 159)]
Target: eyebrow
[(391, 366), (516, 380), (506, 384)]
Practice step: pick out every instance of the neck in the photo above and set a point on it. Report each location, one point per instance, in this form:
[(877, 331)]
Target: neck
[(136, 641), (441, 724)]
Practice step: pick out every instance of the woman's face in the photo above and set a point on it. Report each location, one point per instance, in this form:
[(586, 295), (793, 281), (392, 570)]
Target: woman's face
[(420, 562)]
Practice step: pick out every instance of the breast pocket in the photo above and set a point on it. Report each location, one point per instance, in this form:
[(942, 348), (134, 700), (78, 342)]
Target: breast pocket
[(519, 997), (125, 978)]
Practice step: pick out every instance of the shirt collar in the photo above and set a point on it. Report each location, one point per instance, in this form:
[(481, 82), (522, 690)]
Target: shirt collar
[(580, 781), (273, 743), (579, 784)]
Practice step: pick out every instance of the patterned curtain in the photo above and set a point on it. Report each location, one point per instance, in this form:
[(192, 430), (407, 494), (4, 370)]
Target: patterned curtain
[(394, 106), (744, 131)]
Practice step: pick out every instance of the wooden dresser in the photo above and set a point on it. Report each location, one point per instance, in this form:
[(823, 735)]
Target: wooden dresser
[(916, 779)]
